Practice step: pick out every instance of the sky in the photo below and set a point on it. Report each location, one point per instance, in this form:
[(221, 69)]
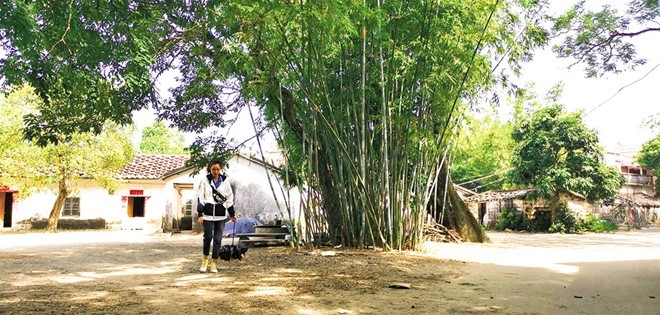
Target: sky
[(614, 106)]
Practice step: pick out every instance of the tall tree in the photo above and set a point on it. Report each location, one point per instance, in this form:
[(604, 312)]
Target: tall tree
[(649, 158), (601, 40), (58, 166), (159, 139), (556, 153)]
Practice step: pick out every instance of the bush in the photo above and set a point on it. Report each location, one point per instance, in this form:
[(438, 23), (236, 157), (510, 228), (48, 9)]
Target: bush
[(593, 224), (558, 228), (515, 220), (510, 219), (70, 224), (566, 221)]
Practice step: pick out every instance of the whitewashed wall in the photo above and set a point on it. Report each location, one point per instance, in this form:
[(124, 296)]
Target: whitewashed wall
[(253, 194), (250, 179)]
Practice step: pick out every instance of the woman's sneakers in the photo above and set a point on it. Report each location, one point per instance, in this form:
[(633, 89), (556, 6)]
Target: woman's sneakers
[(205, 265)]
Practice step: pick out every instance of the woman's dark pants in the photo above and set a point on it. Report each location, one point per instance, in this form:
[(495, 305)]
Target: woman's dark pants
[(213, 230)]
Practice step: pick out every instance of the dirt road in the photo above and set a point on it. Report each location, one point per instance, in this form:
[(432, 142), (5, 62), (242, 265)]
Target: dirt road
[(562, 274), (127, 272)]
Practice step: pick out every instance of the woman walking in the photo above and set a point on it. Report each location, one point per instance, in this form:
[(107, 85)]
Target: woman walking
[(217, 198)]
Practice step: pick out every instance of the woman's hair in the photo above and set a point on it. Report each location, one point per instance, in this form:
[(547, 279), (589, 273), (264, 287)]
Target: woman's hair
[(213, 162)]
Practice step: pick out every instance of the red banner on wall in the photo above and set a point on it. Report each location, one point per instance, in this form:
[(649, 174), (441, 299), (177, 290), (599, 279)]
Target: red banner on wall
[(136, 192)]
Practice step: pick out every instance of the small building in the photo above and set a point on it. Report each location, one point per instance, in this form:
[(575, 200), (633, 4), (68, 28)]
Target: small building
[(155, 192), (487, 206)]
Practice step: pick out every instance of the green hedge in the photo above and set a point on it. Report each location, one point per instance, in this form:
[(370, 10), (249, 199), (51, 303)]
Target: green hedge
[(70, 224)]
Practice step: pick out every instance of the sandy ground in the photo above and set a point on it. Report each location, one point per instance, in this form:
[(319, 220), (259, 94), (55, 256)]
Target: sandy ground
[(128, 272)]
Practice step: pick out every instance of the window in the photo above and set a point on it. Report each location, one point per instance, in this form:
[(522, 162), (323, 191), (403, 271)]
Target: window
[(71, 207), (188, 212)]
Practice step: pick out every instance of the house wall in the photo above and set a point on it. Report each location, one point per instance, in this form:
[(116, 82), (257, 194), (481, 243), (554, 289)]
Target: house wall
[(638, 180), (253, 194), (165, 199), (630, 189), (580, 207), (97, 202), (493, 210), (162, 201)]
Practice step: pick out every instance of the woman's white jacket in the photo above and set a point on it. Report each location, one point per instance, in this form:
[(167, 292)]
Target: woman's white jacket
[(205, 196)]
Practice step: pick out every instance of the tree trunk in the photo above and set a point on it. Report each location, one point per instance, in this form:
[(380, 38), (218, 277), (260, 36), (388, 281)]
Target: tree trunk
[(457, 216), (554, 206), (330, 199), (54, 216)]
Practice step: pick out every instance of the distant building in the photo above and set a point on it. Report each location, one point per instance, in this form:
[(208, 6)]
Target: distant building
[(636, 204), (487, 206), (638, 179)]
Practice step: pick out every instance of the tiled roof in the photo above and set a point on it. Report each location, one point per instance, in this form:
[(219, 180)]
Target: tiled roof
[(154, 166), (498, 195)]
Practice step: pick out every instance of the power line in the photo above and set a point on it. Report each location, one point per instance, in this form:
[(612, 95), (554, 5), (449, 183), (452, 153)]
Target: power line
[(484, 177), (621, 89), (491, 182)]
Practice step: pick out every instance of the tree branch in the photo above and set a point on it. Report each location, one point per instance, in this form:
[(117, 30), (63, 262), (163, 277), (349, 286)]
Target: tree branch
[(633, 34)]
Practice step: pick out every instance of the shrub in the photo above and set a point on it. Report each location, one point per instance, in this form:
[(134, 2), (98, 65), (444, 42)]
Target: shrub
[(510, 219), (566, 221), (557, 228), (515, 220), (592, 224), (70, 224), (540, 223)]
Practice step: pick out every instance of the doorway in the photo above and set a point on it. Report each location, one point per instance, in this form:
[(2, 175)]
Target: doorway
[(135, 207), (8, 201), (482, 212)]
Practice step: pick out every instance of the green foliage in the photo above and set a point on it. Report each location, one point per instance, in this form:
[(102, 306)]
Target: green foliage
[(14, 106), (483, 148), (159, 139), (649, 158), (602, 39), (556, 153), (592, 224), (566, 221), (515, 220), (511, 219), (88, 61)]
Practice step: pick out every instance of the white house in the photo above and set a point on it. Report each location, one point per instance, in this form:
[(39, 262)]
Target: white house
[(153, 190)]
